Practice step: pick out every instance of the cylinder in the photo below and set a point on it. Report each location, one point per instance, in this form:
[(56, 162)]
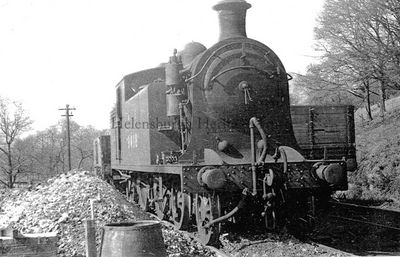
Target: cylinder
[(232, 18), (173, 101), (172, 76), (134, 239)]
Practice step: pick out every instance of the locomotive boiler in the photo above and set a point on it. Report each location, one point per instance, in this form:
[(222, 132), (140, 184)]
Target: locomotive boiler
[(207, 137)]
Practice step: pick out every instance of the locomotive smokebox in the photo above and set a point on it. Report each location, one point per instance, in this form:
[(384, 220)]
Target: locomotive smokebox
[(232, 18)]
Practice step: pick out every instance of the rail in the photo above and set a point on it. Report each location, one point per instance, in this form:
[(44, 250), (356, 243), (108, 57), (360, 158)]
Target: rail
[(378, 217)]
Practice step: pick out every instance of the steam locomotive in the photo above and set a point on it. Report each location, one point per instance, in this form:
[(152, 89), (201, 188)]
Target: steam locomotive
[(210, 137)]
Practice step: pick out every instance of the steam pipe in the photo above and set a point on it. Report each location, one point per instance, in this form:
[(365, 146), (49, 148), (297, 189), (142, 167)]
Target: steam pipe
[(222, 218), (254, 123), (231, 213)]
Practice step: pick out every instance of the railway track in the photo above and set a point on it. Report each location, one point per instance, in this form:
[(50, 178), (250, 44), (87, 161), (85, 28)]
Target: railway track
[(254, 241), (370, 216), (358, 229), (347, 229)]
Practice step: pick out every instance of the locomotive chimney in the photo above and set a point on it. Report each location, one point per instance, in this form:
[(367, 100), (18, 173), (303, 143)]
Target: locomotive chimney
[(232, 18)]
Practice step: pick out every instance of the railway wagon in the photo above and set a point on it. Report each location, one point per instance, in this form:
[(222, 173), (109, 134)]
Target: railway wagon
[(102, 157), (325, 132), (210, 137)]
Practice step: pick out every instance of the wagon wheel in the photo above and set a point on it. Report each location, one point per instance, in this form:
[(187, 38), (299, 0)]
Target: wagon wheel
[(160, 199), (143, 192), (180, 204), (208, 208)]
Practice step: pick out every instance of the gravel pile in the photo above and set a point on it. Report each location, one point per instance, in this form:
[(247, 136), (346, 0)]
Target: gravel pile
[(62, 205)]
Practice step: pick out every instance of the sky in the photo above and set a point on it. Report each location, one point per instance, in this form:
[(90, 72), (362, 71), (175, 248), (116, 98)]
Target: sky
[(58, 52)]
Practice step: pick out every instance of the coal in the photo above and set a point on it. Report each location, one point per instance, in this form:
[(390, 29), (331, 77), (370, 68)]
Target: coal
[(63, 203)]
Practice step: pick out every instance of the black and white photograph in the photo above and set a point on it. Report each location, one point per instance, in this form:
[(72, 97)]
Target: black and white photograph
[(179, 128)]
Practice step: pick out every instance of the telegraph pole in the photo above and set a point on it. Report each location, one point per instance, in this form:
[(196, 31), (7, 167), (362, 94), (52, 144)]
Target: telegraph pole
[(67, 115)]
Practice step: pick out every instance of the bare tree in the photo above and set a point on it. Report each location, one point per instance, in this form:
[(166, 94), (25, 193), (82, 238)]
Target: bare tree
[(13, 122), (44, 153), (360, 38), (82, 145)]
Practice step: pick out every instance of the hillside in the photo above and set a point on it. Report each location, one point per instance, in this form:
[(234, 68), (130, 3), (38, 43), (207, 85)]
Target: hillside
[(378, 156)]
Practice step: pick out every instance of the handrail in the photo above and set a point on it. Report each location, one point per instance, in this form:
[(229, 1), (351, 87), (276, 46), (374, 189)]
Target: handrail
[(240, 67)]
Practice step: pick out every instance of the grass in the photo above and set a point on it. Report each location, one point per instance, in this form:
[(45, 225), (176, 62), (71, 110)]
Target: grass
[(378, 154)]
